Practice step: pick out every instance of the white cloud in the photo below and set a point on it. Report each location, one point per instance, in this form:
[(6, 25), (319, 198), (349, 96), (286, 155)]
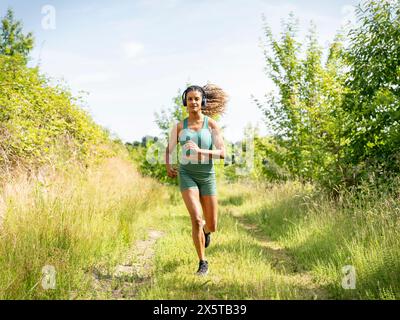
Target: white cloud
[(95, 77), (132, 49)]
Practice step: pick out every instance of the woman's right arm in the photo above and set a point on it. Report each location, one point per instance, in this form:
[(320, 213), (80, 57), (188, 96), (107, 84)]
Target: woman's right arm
[(172, 142)]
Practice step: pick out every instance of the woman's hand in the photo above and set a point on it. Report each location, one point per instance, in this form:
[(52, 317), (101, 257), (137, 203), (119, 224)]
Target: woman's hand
[(190, 145), (171, 172)]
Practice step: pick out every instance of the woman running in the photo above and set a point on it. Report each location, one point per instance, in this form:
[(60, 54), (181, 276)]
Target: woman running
[(197, 134)]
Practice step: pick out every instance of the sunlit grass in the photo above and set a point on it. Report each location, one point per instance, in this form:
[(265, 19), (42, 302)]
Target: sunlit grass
[(72, 223), (324, 235), (279, 241)]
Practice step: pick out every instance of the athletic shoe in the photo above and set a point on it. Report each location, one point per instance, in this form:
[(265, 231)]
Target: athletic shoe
[(203, 268), (207, 237)]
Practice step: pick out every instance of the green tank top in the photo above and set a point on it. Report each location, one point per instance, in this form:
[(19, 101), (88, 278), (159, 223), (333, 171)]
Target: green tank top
[(203, 139)]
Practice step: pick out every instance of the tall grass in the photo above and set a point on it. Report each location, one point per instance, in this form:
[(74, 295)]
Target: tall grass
[(360, 229), (270, 239), (71, 221)]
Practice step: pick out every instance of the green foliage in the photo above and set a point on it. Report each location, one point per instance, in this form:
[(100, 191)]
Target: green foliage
[(337, 122), (40, 123), (373, 101), (255, 159), (157, 170), (12, 40), (304, 113), (269, 160)]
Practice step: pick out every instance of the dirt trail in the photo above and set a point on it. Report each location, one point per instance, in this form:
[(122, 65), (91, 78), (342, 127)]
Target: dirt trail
[(127, 278)]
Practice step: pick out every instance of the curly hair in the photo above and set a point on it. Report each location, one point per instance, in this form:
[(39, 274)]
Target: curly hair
[(216, 99)]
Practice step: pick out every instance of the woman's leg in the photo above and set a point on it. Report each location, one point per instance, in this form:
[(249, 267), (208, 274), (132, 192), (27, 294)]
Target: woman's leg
[(210, 211), (191, 198)]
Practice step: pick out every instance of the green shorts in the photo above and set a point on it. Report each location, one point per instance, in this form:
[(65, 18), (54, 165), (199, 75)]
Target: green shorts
[(204, 181)]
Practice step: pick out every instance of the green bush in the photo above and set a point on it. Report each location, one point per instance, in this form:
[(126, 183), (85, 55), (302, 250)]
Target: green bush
[(40, 123)]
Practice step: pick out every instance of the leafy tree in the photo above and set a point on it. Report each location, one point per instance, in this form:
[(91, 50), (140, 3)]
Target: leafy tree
[(282, 111), (338, 122), (12, 40), (304, 110), (374, 81)]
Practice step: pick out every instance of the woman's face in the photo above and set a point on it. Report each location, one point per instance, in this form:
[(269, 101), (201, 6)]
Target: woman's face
[(193, 99)]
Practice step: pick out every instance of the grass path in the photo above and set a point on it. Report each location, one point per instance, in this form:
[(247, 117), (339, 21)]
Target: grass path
[(110, 233), (244, 263)]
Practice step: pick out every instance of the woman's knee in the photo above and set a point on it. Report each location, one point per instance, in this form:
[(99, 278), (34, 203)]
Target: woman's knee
[(197, 223)]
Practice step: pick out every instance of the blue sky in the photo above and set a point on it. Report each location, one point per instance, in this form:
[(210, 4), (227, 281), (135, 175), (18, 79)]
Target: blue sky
[(133, 56)]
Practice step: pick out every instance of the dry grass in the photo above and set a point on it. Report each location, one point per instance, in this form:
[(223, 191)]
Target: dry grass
[(70, 221)]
